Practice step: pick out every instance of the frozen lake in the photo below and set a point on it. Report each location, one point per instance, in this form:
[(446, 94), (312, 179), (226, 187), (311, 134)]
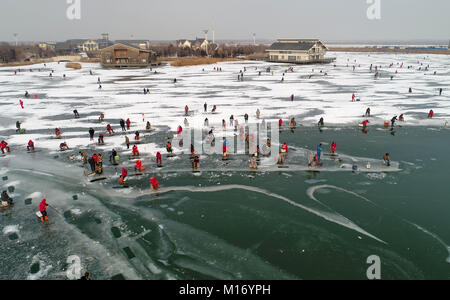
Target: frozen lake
[(228, 222)]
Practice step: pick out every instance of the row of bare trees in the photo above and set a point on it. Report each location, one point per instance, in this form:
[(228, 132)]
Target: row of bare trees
[(219, 51), (10, 53)]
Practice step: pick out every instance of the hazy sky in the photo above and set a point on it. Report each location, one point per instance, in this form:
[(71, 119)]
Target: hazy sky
[(46, 20)]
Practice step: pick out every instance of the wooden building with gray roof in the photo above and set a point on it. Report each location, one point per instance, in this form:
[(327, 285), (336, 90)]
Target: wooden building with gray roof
[(298, 51), (126, 56)]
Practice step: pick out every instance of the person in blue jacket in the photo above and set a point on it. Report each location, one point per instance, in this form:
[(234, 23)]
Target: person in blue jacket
[(319, 150)]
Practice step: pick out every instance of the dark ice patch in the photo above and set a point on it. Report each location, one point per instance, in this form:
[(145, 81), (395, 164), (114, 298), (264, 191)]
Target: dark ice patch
[(129, 253)]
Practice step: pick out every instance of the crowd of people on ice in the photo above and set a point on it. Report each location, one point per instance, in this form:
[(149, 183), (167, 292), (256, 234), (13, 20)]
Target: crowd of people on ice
[(95, 161)]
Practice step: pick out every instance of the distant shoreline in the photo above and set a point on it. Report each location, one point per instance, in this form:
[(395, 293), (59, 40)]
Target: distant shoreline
[(389, 50)]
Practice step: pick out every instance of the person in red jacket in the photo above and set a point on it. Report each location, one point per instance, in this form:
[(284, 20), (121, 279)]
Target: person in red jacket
[(292, 97), (124, 173), (154, 184), (3, 146), (186, 110), (225, 154), (109, 129), (128, 124), (365, 122), (43, 210), (139, 166), (284, 148), (30, 145), (180, 129), (21, 103), (333, 147), (353, 97), (430, 114), (95, 158), (135, 151), (158, 158), (280, 122)]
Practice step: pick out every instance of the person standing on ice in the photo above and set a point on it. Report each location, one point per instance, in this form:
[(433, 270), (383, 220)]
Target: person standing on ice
[(333, 147), (101, 140), (246, 118), (225, 154), (258, 113), (231, 120), (321, 123), (43, 209), (91, 133), (127, 142), (440, 91), (196, 162), (122, 124), (186, 110), (169, 147), (77, 115), (431, 114), (393, 121), (353, 97), (128, 122), (158, 158), (319, 150), (21, 103), (205, 106), (292, 97)]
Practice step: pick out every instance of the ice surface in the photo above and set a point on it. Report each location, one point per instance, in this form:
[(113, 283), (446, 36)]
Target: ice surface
[(121, 97)]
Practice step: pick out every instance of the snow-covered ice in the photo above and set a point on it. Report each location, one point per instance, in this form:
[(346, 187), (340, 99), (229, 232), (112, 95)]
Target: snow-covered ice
[(316, 95)]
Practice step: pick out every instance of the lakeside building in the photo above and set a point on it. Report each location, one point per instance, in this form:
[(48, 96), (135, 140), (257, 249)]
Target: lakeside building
[(299, 51), (126, 56)]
